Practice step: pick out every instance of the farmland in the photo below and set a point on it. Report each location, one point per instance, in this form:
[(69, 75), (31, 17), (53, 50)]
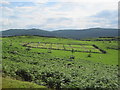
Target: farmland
[(61, 63), (60, 46)]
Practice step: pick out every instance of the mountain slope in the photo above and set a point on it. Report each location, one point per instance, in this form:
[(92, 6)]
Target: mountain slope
[(75, 34), (87, 33), (13, 32)]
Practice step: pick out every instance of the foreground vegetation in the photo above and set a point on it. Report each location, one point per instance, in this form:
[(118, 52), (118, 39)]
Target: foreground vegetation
[(60, 68), (11, 83)]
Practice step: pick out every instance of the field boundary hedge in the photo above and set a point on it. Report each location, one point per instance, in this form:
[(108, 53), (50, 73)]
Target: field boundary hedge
[(96, 47)]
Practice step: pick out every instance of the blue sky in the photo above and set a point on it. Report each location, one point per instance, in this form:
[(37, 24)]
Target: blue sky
[(58, 14)]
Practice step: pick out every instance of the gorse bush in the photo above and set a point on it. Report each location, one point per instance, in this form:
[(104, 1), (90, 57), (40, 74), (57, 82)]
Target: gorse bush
[(54, 79), (89, 55), (24, 74), (28, 48)]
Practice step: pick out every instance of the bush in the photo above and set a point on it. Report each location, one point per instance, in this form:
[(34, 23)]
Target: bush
[(72, 57), (89, 55), (14, 52), (54, 79), (24, 75), (28, 49)]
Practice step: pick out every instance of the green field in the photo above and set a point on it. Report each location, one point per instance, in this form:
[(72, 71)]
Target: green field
[(61, 63), (11, 83), (59, 46)]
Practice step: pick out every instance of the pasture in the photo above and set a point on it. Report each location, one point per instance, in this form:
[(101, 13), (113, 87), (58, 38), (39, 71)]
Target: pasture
[(66, 47), (61, 63)]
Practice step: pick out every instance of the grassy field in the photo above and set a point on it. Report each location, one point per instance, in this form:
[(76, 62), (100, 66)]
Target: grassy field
[(58, 46), (39, 60), (11, 83)]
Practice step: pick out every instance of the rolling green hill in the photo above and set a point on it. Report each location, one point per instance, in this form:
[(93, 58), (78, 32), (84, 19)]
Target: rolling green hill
[(70, 33), (61, 63)]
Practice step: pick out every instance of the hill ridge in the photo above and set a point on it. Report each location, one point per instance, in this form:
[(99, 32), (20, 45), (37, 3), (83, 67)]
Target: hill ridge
[(66, 33)]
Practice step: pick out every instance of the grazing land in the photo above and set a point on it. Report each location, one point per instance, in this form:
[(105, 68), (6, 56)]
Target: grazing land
[(11, 83), (65, 47), (62, 63)]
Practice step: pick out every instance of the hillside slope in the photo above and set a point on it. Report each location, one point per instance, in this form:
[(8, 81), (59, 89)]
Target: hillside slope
[(11, 83), (74, 34), (87, 33)]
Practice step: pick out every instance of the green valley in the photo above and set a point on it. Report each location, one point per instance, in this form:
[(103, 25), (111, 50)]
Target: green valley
[(62, 63)]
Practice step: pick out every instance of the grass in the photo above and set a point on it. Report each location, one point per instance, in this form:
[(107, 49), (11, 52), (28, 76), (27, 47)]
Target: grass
[(11, 83), (84, 48), (60, 68), (0, 81)]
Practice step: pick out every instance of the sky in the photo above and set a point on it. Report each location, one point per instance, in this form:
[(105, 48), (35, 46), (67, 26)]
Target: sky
[(58, 14)]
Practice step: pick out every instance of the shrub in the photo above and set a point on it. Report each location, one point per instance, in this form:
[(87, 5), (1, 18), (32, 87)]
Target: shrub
[(28, 49), (72, 57), (89, 55), (24, 74), (14, 52), (54, 79)]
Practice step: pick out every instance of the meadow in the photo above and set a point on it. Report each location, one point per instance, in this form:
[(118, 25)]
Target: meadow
[(61, 63), (65, 47)]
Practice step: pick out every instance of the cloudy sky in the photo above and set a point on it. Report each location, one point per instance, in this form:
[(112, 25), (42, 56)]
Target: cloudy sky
[(58, 14)]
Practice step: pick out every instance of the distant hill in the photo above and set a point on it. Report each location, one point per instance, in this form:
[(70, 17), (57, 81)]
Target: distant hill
[(16, 32), (69, 33)]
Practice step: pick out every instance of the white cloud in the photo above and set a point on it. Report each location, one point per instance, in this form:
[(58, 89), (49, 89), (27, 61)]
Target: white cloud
[(4, 2), (78, 15), (63, 1), (6, 11)]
